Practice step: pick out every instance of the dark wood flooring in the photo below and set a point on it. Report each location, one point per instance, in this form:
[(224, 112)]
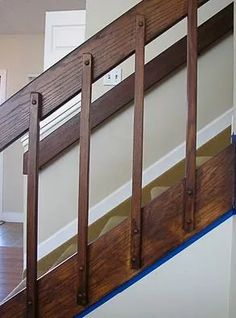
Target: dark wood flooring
[(11, 257)]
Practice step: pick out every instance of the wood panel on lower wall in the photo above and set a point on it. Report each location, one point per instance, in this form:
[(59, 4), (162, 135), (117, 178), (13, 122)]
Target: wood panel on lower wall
[(109, 255)]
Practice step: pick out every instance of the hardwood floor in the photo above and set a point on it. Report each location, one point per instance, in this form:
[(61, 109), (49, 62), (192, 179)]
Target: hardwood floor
[(11, 257), (11, 235), (11, 266)]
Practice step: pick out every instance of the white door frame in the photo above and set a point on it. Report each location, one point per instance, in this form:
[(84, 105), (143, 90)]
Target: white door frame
[(3, 90)]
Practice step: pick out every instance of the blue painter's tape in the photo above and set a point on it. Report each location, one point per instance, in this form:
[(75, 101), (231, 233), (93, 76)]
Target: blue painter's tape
[(233, 139), (157, 264)]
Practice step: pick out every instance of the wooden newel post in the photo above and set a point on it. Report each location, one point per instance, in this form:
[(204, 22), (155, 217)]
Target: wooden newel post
[(83, 206), (136, 201), (190, 168), (32, 204)]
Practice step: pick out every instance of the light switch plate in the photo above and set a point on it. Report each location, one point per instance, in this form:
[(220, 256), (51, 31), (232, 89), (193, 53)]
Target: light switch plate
[(113, 78)]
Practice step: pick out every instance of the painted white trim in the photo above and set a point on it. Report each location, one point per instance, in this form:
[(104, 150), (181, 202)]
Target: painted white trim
[(3, 94), (124, 192), (13, 217)]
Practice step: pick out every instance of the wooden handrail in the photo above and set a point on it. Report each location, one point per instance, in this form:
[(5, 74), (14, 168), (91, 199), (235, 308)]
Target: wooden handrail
[(109, 47), (155, 71)]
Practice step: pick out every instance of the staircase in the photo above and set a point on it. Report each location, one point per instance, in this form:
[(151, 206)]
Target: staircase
[(165, 214)]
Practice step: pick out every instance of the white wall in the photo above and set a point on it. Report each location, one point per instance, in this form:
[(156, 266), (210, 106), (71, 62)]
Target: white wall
[(193, 284)]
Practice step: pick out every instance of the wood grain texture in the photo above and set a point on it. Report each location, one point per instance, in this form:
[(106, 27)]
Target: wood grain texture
[(84, 163), (11, 267), (109, 256), (136, 199), (191, 131), (120, 96), (32, 205), (109, 47)]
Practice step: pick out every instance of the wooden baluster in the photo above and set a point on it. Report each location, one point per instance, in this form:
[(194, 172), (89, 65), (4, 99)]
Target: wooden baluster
[(83, 207), (32, 204), (136, 202), (190, 168)]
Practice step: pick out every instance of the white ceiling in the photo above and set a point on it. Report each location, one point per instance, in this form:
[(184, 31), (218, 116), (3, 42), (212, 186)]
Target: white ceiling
[(28, 16)]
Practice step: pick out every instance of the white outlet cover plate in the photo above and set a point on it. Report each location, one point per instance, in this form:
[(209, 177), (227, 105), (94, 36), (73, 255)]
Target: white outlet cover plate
[(113, 78)]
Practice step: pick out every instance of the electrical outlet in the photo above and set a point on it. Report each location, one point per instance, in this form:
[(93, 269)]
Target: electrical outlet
[(113, 78)]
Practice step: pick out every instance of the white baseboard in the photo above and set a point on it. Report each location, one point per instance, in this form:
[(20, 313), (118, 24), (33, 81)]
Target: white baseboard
[(124, 192), (13, 217)]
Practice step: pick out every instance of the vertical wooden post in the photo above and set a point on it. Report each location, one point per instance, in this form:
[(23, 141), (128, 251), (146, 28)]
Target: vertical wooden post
[(83, 206), (190, 169), (32, 204), (136, 202)]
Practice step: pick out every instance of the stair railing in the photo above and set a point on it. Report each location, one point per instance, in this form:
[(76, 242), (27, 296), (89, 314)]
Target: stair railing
[(76, 72)]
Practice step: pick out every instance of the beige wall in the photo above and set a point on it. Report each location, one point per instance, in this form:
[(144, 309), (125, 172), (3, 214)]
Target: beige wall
[(20, 55), (111, 145)]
